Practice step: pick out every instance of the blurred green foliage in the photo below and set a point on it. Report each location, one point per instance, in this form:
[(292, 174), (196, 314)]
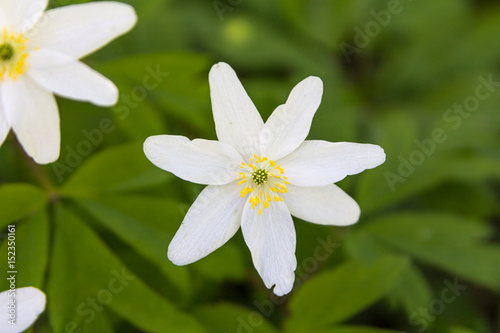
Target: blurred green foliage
[(93, 228)]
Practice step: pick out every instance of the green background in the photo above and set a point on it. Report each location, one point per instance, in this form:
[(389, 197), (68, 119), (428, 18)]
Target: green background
[(430, 214)]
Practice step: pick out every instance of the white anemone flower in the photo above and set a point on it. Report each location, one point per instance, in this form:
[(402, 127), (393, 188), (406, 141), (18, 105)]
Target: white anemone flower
[(259, 174), (39, 52), (20, 308)]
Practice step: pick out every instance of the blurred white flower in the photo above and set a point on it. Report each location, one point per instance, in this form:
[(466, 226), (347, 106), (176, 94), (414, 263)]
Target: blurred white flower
[(258, 174), (39, 54), (20, 308)]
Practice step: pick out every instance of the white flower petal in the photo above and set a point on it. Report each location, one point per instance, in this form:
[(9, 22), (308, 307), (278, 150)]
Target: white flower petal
[(4, 125), (21, 14), (198, 161), (30, 303), (78, 30), (271, 239), (327, 205), (318, 163), (70, 78), (237, 121), (289, 124), (34, 118), (210, 222)]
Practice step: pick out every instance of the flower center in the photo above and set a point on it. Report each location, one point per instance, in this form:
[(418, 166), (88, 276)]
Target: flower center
[(264, 181), (6, 52), (260, 176), (12, 54)]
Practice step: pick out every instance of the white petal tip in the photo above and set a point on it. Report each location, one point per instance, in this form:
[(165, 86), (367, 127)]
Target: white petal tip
[(219, 69), (313, 83), (284, 282), (150, 141), (127, 13), (284, 287), (219, 66), (132, 16), (352, 214), (30, 304), (280, 292), (150, 146), (36, 296), (177, 261), (43, 159), (110, 98), (382, 155), (176, 258), (354, 219), (376, 155), (314, 79)]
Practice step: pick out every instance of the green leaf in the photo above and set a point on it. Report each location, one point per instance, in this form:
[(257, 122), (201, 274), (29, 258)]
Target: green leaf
[(471, 199), (366, 247), (448, 242), (435, 170), (230, 317), (175, 84), (328, 21), (404, 175), (343, 292), (412, 290), (135, 113), (141, 121), (18, 201), (100, 324), (142, 222), (31, 252), (86, 277), (374, 191), (357, 329), (460, 329), (227, 263), (149, 224), (114, 169), (426, 227)]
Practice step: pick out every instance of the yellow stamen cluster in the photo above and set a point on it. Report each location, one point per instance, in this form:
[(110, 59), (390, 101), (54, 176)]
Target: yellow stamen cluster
[(12, 54), (264, 180)]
